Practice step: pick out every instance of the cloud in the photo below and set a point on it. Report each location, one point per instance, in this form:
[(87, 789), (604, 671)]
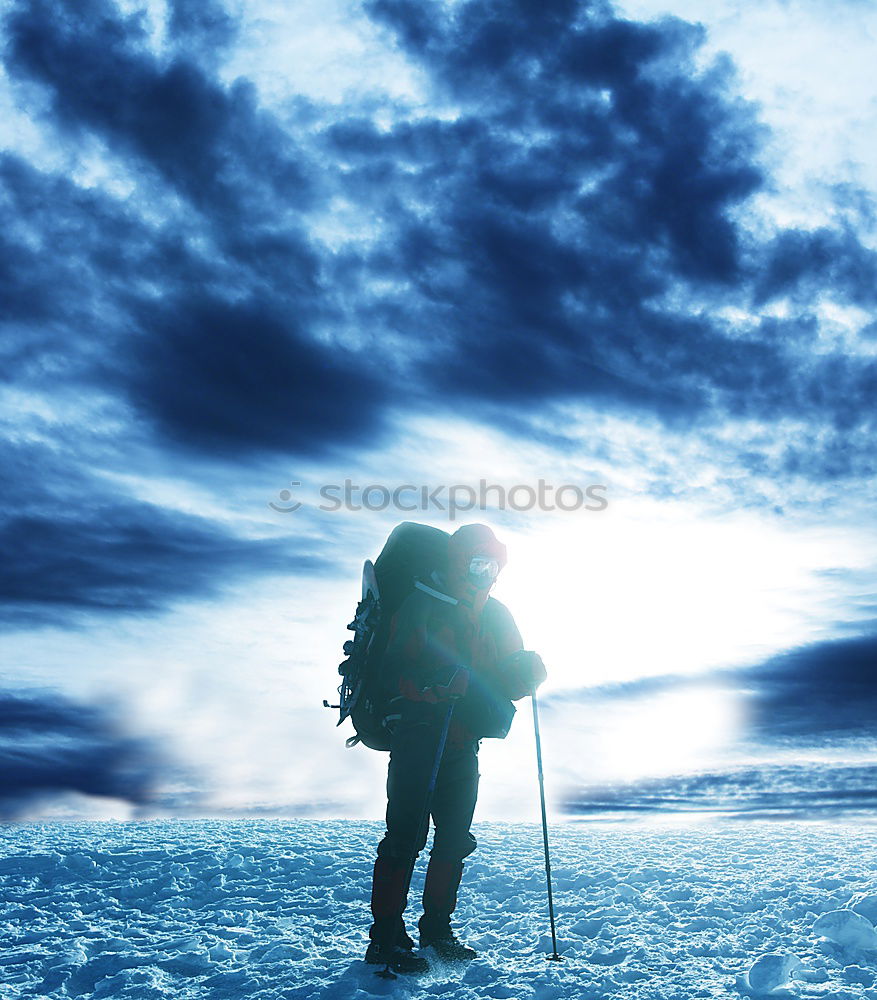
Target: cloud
[(238, 376), (203, 25), (50, 745), (72, 544), (590, 168), (817, 693), (806, 790), (57, 240), (201, 312), (210, 143), (815, 703), (561, 221), (802, 264), (233, 378), (826, 689), (569, 223)]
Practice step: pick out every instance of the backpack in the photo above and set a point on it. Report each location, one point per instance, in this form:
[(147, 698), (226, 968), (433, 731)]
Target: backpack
[(412, 552)]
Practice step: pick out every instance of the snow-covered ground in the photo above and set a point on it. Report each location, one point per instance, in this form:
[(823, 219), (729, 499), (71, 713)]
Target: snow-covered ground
[(279, 909)]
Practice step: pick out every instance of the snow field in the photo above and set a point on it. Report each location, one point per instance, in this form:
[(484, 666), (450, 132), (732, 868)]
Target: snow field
[(279, 909)]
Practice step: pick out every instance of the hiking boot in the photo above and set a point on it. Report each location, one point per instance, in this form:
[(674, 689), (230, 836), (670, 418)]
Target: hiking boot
[(398, 958), (445, 944), (389, 932), (439, 902)]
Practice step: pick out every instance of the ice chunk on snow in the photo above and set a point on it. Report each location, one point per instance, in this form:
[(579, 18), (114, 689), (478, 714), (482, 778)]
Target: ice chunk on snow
[(626, 891), (649, 874), (866, 904), (847, 928), (220, 952), (588, 928), (280, 952), (856, 974), (81, 863), (769, 972)]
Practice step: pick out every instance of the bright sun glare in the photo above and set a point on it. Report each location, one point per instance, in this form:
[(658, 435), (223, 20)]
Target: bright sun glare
[(669, 733), (645, 592)]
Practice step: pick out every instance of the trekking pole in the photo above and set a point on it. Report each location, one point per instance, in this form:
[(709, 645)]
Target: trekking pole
[(554, 957), (386, 972)]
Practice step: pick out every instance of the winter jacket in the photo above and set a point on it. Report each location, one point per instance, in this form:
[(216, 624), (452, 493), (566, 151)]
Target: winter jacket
[(432, 635)]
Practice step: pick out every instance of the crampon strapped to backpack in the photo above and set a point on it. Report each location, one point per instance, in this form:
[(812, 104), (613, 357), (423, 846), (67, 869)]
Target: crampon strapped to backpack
[(412, 552)]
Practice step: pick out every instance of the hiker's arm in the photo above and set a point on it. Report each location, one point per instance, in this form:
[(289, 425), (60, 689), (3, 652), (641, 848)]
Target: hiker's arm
[(520, 671)]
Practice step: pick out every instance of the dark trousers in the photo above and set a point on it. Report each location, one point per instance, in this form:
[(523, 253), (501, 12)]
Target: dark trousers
[(412, 756)]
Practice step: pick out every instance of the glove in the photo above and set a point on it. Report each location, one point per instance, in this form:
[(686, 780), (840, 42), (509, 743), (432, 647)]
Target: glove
[(525, 672), (435, 694)]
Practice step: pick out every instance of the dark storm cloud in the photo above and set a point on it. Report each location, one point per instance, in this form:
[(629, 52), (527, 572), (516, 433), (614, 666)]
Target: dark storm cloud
[(50, 745), (238, 378), (805, 790), (589, 172), (826, 689), (171, 303), (70, 258), (211, 143), (570, 231), (72, 545), (201, 315), (565, 229), (201, 24), (803, 263), (227, 378)]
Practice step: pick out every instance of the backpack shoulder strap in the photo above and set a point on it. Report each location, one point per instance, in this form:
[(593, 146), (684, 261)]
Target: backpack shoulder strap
[(420, 585)]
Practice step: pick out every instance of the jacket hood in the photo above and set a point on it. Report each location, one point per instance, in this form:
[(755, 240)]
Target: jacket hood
[(469, 541)]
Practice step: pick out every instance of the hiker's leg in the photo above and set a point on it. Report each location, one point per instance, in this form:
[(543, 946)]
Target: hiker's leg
[(411, 760), (453, 809)]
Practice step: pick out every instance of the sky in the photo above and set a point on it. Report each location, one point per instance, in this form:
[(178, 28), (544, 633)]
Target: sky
[(602, 277)]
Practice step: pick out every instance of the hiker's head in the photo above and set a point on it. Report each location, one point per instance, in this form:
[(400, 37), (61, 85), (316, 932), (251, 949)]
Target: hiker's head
[(475, 557)]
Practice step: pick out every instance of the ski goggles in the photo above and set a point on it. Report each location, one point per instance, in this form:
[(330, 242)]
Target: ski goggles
[(483, 568)]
